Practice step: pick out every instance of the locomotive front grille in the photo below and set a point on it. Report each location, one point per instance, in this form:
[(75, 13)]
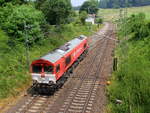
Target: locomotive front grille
[(49, 78)]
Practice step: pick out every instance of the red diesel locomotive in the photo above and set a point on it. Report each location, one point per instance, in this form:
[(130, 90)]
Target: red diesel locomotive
[(50, 68)]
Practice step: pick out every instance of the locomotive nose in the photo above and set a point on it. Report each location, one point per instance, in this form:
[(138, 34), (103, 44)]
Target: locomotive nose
[(42, 75)]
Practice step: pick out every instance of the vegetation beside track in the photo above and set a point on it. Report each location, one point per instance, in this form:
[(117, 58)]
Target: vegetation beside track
[(113, 14), (129, 90)]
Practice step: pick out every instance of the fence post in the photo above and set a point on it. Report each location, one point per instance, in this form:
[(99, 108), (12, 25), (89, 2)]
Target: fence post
[(115, 61)]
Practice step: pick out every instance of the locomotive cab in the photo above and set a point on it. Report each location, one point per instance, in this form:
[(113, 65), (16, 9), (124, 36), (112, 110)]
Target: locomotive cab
[(43, 72), (43, 69)]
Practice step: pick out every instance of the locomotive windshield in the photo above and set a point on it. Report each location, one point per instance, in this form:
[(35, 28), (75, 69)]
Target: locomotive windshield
[(48, 69), (37, 69)]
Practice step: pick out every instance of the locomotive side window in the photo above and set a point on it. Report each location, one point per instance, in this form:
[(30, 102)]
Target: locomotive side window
[(68, 60), (48, 69), (36, 69), (57, 68)]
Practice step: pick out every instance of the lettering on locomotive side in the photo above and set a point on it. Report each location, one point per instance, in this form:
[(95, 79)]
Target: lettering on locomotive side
[(77, 52)]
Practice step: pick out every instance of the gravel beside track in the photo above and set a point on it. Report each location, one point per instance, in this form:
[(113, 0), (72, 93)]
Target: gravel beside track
[(85, 89)]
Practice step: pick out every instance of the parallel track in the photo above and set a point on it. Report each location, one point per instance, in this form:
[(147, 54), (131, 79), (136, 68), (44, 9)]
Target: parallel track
[(82, 96)]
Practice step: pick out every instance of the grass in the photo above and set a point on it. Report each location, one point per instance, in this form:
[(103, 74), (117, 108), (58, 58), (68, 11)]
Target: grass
[(113, 14), (130, 83)]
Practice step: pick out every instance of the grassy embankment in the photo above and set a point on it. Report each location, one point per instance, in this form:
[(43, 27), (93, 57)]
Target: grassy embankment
[(129, 91), (113, 14), (14, 76)]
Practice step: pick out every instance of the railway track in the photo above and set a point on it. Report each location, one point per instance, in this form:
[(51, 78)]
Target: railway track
[(80, 97)]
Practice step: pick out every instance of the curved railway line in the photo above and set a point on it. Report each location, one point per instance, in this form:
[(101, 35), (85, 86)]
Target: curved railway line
[(81, 97), (80, 91)]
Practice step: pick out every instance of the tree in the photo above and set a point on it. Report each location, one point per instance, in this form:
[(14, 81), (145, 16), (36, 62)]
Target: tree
[(39, 3), (103, 4), (116, 4), (122, 3), (57, 11), (91, 7), (138, 26), (83, 16), (3, 42), (4, 2), (99, 20), (14, 20)]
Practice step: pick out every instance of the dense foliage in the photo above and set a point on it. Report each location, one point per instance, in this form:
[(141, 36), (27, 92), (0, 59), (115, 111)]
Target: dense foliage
[(19, 19), (91, 7), (130, 83), (138, 27), (122, 3), (99, 20), (83, 15), (56, 11), (4, 2)]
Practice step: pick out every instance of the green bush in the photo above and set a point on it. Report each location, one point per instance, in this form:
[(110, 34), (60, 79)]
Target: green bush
[(56, 11), (137, 26), (99, 20), (3, 42), (83, 15), (4, 2), (17, 21), (91, 7)]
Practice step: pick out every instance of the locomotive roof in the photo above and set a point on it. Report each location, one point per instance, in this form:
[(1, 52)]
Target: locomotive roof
[(60, 52)]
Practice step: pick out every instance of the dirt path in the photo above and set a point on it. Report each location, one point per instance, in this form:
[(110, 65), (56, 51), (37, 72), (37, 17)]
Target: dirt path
[(85, 90)]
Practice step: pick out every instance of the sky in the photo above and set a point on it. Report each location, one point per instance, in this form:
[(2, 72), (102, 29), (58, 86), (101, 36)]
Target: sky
[(77, 2)]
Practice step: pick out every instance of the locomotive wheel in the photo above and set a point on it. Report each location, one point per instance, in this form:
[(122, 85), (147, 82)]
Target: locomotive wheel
[(82, 57), (67, 74), (60, 83), (70, 70), (76, 64)]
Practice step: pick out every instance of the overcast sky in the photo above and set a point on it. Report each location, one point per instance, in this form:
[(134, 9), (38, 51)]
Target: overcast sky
[(77, 2)]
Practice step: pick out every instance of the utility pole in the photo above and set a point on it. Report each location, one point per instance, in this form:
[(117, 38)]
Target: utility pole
[(27, 45), (125, 18)]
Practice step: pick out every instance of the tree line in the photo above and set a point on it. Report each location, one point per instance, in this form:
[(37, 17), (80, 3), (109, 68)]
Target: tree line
[(122, 3), (22, 19)]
